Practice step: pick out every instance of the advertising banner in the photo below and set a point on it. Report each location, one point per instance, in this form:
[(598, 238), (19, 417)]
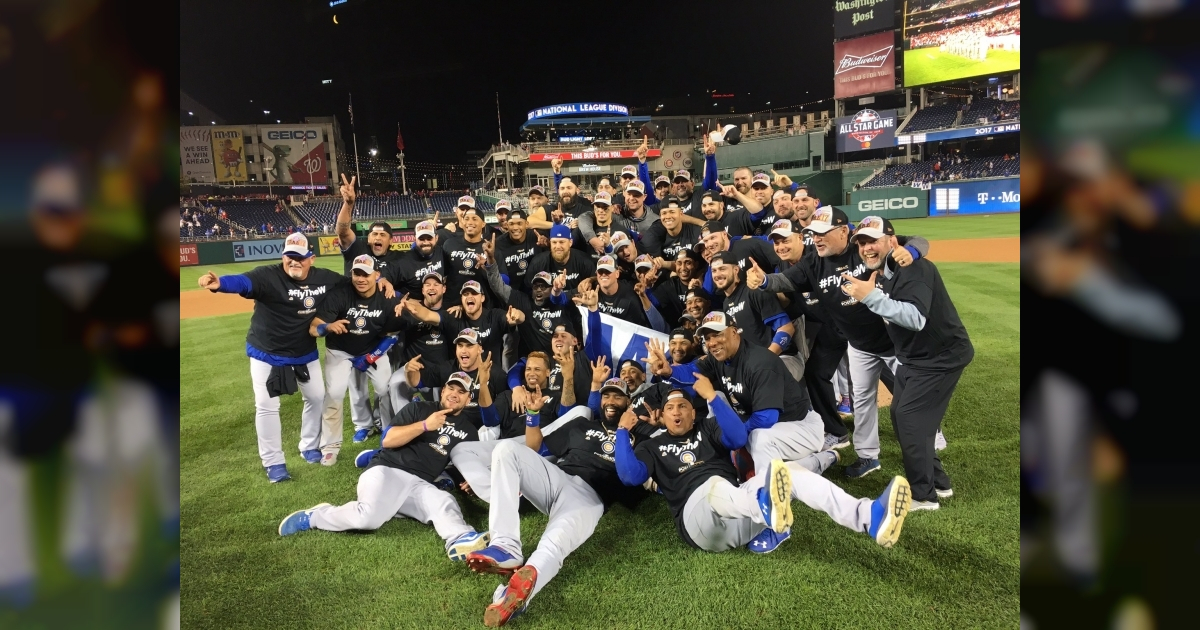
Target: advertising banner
[(230, 154), (988, 196), (328, 246), (403, 241), (866, 129), (855, 17), (866, 65), (258, 250), (959, 40), (893, 202), (578, 109), (292, 154), (591, 155), (188, 255), (196, 154), (952, 134)]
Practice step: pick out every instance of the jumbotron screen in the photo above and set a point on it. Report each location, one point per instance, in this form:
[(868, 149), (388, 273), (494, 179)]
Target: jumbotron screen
[(946, 40)]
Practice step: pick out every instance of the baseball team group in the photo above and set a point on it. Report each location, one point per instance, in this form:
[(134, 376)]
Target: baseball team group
[(485, 382)]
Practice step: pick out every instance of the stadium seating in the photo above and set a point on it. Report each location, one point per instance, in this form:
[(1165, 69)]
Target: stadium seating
[(370, 207), (971, 167), (991, 110), (935, 117), (256, 212), (208, 219)]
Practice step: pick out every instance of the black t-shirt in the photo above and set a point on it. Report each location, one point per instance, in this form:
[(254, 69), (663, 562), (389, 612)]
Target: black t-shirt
[(681, 464), (749, 309), (462, 264), (407, 273), (577, 267), (737, 222), (427, 455), (671, 294), (586, 448), (659, 243), (536, 332), (822, 278), (434, 342), (765, 223), (512, 423), (360, 247), (491, 326), (370, 318), (624, 304), (514, 258), (755, 379), (743, 249), (942, 344), (583, 378), (283, 308)]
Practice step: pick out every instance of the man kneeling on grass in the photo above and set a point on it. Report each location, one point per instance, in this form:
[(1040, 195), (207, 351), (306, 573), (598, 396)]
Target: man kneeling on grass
[(398, 480), (691, 464)]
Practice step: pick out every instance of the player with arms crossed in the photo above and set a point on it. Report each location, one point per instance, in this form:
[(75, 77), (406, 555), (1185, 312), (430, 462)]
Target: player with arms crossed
[(690, 463)]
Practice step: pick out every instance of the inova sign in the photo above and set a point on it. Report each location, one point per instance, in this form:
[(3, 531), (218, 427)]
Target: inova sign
[(893, 203)]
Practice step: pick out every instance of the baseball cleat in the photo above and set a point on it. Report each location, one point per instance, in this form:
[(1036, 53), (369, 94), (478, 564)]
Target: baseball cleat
[(468, 542), (834, 442), (863, 468), (888, 512), (768, 540), (313, 456), (361, 435), (944, 494), (329, 459), (298, 521), (514, 599), (444, 482), (844, 407), (362, 459), (493, 559), (939, 441), (775, 497), (924, 506), (277, 473)]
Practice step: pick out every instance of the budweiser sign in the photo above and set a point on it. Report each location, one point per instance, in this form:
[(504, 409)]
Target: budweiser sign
[(866, 65), (591, 155), (869, 60)]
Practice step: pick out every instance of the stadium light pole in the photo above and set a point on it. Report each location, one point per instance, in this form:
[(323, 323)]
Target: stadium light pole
[(308, 168), (403, 182)]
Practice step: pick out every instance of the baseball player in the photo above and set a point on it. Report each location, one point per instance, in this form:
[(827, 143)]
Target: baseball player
[(354, 322), (572, 492), (870, 349), (407, 273), (758, 387), (624, 300), (487, 377), (690, 462), (424, 336), (398, 480), (283, 356), (757, 315), (931, 344)]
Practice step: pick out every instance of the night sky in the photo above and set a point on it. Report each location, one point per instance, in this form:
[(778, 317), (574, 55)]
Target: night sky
[(435, 67)]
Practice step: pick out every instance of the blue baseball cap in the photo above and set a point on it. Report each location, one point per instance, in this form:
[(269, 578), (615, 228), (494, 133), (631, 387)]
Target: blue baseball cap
[(560, 231)]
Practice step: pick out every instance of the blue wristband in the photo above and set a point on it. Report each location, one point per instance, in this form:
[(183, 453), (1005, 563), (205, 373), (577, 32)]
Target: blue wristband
[(532, 419), (782, 338), (321, 329)]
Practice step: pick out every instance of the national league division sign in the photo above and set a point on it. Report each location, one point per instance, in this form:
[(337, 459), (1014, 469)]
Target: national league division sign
[(867, 129), (855, 17), (865, 65)]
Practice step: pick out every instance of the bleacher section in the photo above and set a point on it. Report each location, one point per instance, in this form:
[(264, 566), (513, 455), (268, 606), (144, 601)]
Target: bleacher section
[(256, 212), (968, 168), (935, 117), (444, 203), (207, 219), (325, 210), (991, 110)]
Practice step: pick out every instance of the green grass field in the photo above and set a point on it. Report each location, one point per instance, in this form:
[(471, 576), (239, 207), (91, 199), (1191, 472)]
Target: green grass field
[(958, 568), (930, 65)]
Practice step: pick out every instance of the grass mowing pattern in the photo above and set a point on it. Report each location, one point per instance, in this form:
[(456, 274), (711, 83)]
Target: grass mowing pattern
[(952, 228), (958, 567)]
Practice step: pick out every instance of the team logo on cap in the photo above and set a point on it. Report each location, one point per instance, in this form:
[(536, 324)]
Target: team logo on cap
[(360, 322), (824, 215), (782, 224), (308, 302), (714, 317), (466, 200), (297, 238), (871, 222), (761, 178)]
